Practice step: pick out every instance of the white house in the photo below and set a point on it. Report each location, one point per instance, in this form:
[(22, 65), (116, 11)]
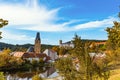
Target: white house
[(97, 55), (68, 44), (52, 54)]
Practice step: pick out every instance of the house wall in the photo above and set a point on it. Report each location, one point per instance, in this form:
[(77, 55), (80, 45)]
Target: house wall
[(67, 45), (52, 55), (31, 59)]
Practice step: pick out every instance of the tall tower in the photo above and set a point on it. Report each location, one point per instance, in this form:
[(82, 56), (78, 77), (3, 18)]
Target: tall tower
[(37, 47), (60, 43)]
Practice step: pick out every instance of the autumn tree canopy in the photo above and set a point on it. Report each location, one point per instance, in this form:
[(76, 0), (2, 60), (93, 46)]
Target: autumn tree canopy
[(2, 24), (114, 36)]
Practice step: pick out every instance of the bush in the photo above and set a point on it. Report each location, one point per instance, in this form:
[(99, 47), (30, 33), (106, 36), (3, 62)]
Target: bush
[(36, 77), (2, 76)]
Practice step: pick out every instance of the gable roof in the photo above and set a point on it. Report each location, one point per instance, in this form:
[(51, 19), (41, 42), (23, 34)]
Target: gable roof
[(34, 55), (18, 54), (31, 55), (30, 49)]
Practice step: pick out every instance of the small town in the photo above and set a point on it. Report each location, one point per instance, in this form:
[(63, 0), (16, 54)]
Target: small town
[(59, 40)]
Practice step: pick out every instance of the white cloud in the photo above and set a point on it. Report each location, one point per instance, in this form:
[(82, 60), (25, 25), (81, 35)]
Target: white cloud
[(11, 36), (39, 18), (94, 24), (48, 27), (21, 15)]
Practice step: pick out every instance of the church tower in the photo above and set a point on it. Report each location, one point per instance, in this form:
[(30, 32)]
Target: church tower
[(37, 47)]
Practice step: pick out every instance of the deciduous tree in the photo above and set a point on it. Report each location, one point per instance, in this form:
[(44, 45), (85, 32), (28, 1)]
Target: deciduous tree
[(36, 77), (2, 23), (2, 76)]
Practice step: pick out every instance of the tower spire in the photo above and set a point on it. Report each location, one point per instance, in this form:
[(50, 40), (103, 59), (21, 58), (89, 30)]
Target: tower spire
[(37, 47), (38, 36)]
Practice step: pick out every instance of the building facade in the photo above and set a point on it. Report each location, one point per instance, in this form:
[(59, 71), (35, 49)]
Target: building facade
[(37, 47), (52, 54), (66, 44)]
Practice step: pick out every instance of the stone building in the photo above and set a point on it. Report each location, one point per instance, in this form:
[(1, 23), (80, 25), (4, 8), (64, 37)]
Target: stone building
[(37, 47), (68, 44), (52, 54)]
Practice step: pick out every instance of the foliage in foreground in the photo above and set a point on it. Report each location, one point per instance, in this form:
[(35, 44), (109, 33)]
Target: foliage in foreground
[(7, 61), (115, 74), (86, 68), (2, 76), (66, 69), (113, 48), (36, 77)]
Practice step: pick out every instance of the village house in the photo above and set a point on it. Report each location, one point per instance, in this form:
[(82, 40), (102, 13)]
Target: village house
[(52, 54), (68, 44), (31, 56), (98, 43)]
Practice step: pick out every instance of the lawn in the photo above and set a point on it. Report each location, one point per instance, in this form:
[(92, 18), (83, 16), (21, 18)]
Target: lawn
[(115, 74)]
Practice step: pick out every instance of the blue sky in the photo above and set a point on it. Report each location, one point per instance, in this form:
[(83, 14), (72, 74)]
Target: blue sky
[(56, 19)]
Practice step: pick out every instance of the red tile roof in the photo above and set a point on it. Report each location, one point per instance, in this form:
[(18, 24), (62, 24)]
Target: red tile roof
[(18, 54), (31, 55), (34, 55)]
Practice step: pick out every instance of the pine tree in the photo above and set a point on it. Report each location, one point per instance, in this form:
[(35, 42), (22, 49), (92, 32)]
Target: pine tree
[(80, 66), (89, 68), (36, 77), (114, 36), (113, 42)]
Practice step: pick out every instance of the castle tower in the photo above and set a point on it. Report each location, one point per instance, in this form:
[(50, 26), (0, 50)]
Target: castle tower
[(60, 43), (37, 47)]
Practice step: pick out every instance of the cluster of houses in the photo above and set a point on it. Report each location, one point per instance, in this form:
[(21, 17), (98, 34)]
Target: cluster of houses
[(34, 52), (70, 44), (49, 55), (96, 56)]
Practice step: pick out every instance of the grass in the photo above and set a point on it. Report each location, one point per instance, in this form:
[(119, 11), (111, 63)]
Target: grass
[(115, 74)]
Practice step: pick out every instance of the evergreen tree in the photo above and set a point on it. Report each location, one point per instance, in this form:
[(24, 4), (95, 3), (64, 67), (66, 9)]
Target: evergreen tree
[(2, 76), (78, 46), (80, 66), (88, 67), (114, 36), (113, 43), (66, 69), (36, 77)]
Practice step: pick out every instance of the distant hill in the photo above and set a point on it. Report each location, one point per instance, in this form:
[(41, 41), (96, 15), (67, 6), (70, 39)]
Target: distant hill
[(23, 47), (5, 45), (88, 40)]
